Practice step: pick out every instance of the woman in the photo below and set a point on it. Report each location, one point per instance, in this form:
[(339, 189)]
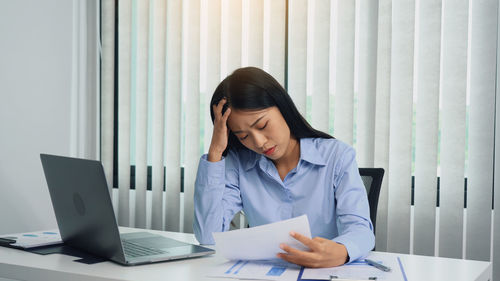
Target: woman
[(266, 159)]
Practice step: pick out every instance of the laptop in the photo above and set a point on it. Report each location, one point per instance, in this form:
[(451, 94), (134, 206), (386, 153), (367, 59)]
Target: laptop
[(86, 220)]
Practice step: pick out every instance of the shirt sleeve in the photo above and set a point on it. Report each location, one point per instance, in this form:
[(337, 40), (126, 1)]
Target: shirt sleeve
[(216, 197), (353, 212)]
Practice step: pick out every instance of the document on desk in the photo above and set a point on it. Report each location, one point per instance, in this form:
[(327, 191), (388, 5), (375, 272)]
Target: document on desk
[(261, 242), (256, 270), (31, 239), (357, 270)]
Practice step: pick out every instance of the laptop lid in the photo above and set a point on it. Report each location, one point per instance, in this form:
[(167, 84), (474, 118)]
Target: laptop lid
[(82, 205)]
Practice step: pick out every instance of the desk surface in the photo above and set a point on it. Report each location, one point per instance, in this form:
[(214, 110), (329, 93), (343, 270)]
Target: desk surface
[(20, 265)]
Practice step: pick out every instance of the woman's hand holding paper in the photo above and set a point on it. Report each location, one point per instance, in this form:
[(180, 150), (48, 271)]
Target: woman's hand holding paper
[(323, 252)]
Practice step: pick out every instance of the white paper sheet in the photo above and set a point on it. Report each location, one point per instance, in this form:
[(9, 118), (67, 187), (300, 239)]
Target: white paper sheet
[(261, 242), (257, 270), (358, 270)]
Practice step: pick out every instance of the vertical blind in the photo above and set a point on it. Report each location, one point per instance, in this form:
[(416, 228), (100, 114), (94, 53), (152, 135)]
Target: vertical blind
[(410, 84), (453, 87)]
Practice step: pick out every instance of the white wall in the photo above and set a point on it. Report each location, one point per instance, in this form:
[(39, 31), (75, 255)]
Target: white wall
[(35, 102)]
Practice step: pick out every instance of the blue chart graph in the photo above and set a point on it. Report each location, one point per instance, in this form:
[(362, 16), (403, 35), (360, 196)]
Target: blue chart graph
[(276, 271), (236, 267), (241, 268)]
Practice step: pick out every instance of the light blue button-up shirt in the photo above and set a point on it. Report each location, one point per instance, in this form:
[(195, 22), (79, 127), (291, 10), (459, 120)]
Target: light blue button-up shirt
[(325, 186)]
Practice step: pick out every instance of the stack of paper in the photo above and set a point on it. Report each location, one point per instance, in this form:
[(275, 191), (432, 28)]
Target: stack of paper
[(252, 251), (252, 254), (32, 239)]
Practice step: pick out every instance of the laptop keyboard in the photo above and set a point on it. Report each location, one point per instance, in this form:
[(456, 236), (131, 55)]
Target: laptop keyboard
[(136, 250)]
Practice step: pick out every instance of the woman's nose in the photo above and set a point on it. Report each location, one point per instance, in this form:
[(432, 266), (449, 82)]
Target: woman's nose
[(260, 140)]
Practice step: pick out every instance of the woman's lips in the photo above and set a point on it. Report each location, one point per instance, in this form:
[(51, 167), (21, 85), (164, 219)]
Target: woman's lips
[(270, 150)]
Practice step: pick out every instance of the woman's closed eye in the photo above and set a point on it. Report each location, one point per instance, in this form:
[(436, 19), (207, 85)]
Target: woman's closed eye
[(261, 128)]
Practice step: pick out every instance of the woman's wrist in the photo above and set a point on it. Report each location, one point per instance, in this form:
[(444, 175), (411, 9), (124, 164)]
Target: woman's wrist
[(214, 156)]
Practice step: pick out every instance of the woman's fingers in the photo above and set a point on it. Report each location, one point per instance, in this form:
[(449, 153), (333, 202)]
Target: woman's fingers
[(293, 255), (219, 117), (298, 259), (293, 251), (214, 108), (218, 107), (305, 258), (220, 132), (226, 114), (310, 243)]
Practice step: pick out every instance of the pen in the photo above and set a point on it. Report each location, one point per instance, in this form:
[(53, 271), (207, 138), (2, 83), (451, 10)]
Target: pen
[(378, 265)]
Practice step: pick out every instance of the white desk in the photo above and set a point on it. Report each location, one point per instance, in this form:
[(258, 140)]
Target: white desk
[(20, 265)]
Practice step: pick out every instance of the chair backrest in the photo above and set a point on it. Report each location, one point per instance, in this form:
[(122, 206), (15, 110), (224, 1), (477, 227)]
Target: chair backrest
[(372, 179)]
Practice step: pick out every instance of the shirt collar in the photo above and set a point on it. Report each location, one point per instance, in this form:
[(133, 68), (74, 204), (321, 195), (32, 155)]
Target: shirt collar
[(252, 159), (308, 152)]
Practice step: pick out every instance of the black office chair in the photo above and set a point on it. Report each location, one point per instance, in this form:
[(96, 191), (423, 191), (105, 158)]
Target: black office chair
[(372, 179)]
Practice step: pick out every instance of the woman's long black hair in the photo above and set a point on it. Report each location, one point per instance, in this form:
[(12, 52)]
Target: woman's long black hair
[(251, 88)]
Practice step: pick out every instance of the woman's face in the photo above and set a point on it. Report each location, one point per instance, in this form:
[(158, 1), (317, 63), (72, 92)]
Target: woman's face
[(264, 131)]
